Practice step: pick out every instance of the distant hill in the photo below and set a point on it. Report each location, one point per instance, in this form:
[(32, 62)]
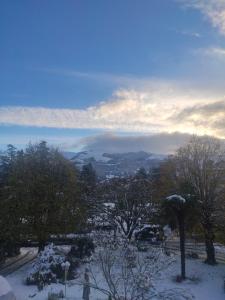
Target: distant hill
[(115, 164)]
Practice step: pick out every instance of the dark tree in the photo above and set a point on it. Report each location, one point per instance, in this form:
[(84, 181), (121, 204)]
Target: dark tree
[(52, 193), (88, 178), (181, 208), (11, 212), (141, 174), (132, 202), (39, 194), (201, 163), (88, 183)]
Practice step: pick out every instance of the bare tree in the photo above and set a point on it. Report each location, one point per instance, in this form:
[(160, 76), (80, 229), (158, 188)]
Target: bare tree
[(132, 202), (201, 163), (125, 274)]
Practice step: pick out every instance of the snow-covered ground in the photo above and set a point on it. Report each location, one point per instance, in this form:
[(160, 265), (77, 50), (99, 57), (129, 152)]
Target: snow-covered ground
[(23, 292), (206, 283)]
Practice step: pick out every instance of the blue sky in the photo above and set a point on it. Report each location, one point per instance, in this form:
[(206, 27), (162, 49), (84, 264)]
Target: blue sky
[(79, 68)]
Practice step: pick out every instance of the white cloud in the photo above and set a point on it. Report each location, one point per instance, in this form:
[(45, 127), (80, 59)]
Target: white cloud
[(214, 10), (189, 33), (152, 109), (125, 79), (216, 52)]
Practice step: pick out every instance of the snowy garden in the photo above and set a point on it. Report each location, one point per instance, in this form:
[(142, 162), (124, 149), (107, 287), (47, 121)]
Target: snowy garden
[(123, 238), (115, 270)]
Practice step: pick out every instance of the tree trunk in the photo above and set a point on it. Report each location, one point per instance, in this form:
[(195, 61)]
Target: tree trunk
[(129, 236), (182, 245), (2, 253), (41, 245), (129, 231), (210, 250)]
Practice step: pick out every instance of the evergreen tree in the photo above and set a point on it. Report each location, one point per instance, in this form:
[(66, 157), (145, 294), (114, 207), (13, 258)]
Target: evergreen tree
[(39, 195), (88, 178), (88, 183), (10, 208), (52, 193)]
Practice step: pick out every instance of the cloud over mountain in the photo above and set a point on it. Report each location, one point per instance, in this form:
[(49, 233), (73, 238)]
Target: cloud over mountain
[(112, 143)]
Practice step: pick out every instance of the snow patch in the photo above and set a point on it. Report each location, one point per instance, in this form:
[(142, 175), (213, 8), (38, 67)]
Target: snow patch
[(176, 197), (5, 288)]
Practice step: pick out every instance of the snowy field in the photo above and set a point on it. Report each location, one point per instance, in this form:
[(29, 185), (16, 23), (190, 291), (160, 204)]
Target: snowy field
[(205, 283)]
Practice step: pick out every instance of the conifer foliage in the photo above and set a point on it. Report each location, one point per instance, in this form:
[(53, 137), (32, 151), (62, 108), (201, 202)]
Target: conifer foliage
[(40, 186)]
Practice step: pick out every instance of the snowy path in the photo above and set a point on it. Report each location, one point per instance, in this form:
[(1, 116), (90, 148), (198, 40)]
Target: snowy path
[(12, 266)]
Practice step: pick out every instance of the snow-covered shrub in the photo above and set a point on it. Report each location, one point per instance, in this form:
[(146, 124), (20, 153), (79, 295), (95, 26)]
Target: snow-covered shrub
[(128, 274), (47, 268), (143, 283)]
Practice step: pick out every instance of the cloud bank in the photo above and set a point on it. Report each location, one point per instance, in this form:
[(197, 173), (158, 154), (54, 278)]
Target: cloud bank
[(111, 143), (157, 107)]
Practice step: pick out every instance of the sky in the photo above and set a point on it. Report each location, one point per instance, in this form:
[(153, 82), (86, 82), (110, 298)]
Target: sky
[(81, 73)]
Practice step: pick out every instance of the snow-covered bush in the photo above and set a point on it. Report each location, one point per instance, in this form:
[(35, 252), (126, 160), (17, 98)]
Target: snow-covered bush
[(47, 268), (128, 274)]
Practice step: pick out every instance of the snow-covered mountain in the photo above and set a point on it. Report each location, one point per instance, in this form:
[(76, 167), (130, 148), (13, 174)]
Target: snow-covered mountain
[(114, 164)]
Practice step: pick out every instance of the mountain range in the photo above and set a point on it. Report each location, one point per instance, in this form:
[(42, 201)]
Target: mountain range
[(109, 165)]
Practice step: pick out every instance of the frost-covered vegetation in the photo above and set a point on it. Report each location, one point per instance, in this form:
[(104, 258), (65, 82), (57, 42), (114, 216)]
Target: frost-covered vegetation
[(48, 268), (126, 272)]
